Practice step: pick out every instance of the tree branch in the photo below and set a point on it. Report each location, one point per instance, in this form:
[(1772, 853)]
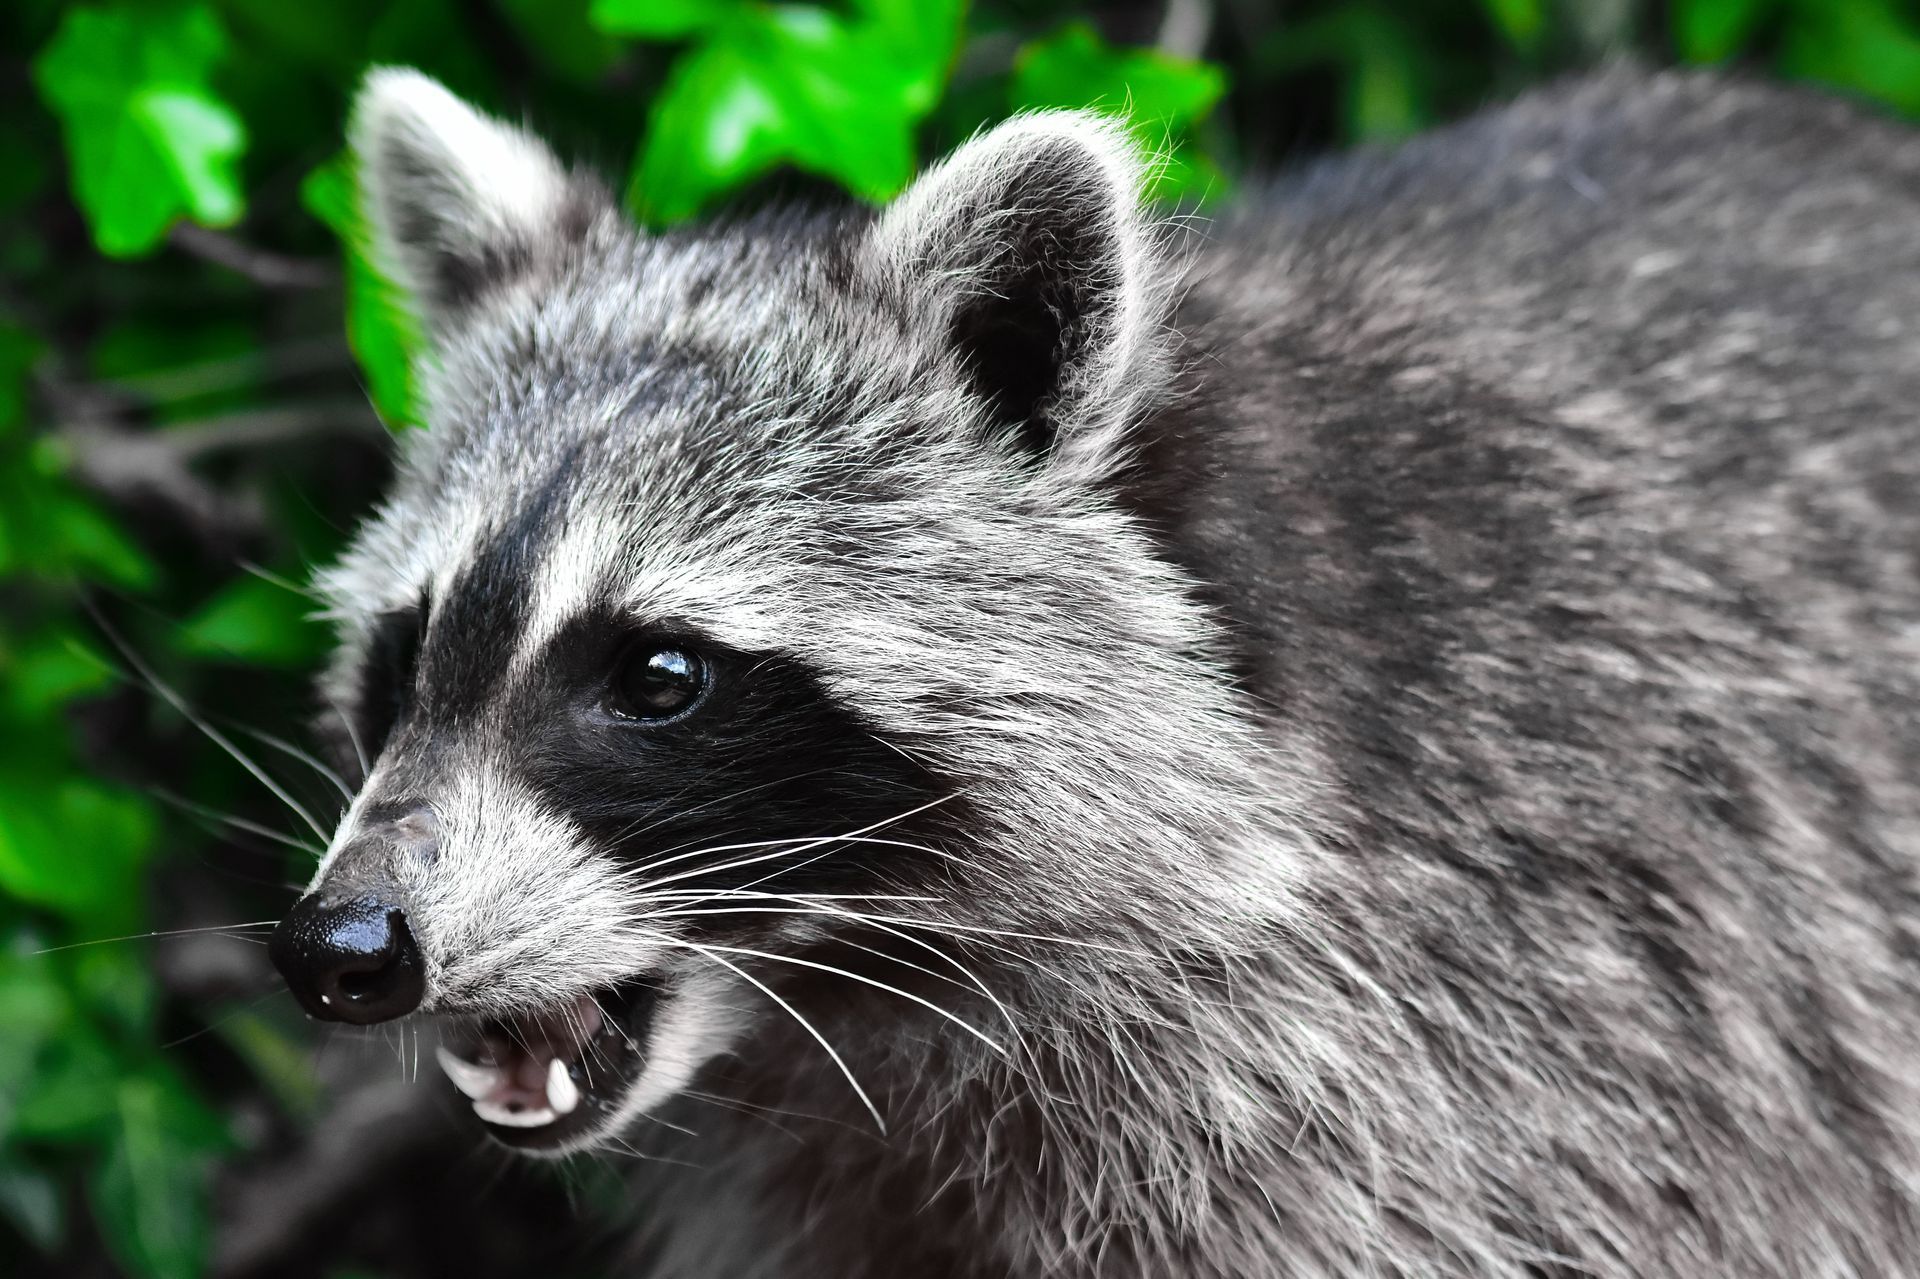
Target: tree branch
[(1185, 28), (263, 266), (126, 465)]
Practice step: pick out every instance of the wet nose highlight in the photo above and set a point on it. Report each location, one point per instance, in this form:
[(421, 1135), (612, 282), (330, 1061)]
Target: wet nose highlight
[(353, 960)]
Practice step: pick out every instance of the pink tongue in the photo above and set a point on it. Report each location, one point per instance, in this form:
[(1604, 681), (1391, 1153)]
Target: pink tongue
[(526, 1052)]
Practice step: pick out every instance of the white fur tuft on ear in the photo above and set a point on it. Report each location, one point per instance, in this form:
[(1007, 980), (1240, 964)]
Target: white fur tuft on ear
[(456, 201), (1030, 252)]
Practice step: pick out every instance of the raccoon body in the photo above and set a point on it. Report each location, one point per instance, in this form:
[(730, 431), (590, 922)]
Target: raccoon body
[(984, 739)]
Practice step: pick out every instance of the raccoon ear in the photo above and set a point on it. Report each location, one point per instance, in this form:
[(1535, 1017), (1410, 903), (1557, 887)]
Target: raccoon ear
[(457, 202), (1028, 251)]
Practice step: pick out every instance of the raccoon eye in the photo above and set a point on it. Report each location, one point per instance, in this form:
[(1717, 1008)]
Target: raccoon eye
[(658, 681)]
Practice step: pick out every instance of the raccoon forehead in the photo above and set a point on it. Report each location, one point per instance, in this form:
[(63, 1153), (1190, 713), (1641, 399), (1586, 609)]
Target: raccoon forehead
[(773, 308), (669, 458), (727, 534), (912, 570)]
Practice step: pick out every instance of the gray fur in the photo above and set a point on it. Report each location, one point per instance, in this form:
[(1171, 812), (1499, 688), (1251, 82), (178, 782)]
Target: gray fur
[(1437, 725)]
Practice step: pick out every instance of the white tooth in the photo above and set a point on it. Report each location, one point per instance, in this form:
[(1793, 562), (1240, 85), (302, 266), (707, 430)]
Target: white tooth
[(471, 1078), (562, 1094), (495, 1113)]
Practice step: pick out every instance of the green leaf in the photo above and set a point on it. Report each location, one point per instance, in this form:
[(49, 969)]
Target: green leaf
[(72, 844), (114, 982), (849, 113), (255, 621), (48, 672), (714, 125), (659, 19), (200, 139), (149, 1195), (920, 38), (1386, 65), (69, 1097), (60, 533), (1860, 45), (281, 1062), (1074, 67), (30, 1199), (1522, 22), (34, 1008), (1161, 95), (1384, 95), (1715, 30), (381, 330), (836, 96), (148, 140)]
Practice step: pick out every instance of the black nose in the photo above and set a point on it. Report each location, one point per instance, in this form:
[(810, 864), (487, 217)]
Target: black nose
[(350, 960)]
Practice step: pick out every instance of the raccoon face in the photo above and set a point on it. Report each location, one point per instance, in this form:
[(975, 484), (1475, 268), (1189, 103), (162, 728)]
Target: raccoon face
[(747, 588)]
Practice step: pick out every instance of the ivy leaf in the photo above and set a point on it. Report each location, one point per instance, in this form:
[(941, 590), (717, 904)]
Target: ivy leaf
[(148, 140), (149, 1195), (34, 1009), (280, 1061), (714, 125), (1715, 30), (1522, 22), (84, 538), (30, 1199), (48, 671), (69, 1096), (1160, 94), (199, 138), (1074, 67), (919, 38), (72, 844), (1867, 46), (49, 530), (838, 96), (381, 330), (658, 19), (1386, 66), (254, 622), (849, 113)]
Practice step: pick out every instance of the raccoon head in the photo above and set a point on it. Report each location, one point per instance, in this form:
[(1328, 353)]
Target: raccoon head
[(749, 587)]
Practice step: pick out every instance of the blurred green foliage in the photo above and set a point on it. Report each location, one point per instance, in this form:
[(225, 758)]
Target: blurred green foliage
[(180, 253)]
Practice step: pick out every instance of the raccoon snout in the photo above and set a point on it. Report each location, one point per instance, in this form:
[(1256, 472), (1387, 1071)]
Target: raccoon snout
[(345, 949), (352, 961)]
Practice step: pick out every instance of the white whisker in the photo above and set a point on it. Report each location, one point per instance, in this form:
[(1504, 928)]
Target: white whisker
[(193, 717), (803, 846), (238, 823), (233, 930), (305, 757), (928, 1004), (808, 1026)]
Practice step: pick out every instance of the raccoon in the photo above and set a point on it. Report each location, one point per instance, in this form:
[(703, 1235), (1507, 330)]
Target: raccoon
[(1002, 737)]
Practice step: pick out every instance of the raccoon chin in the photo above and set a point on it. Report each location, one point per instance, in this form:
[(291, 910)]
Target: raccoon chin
[(558, 1079)]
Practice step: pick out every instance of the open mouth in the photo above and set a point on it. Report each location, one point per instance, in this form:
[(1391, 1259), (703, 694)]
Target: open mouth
[(540, 1080)]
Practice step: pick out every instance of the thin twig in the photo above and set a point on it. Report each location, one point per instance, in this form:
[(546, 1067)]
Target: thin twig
[(248, 430), (124, 463), (263, 266), (302, 357), (1185, 28)]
